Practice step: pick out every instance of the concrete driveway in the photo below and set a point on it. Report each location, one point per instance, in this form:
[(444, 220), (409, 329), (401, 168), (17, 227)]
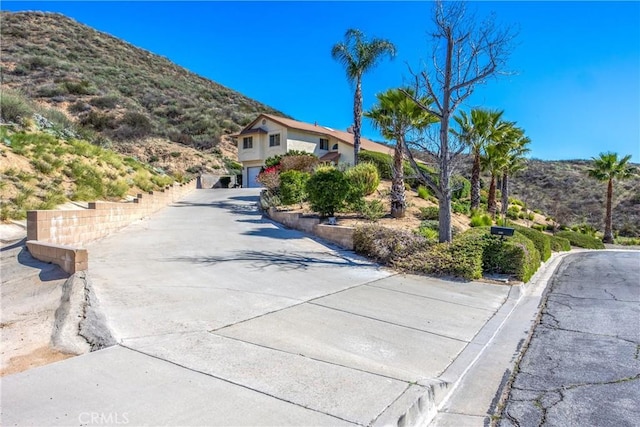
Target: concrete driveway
[(225, 318)]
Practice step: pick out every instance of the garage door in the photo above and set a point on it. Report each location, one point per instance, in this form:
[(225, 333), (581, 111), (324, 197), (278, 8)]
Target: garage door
[(252, 174)]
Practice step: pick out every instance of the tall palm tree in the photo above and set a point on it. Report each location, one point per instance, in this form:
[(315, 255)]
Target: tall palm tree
[(358, 55), (607, 167), (516, 148), (477, 130), (395, 115)]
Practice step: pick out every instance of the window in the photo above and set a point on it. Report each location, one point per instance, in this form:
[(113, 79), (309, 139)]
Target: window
[(247, 142), (324, 144), (274, 140), (335, 147)]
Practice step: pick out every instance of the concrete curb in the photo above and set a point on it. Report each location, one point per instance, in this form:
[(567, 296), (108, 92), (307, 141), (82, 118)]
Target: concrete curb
[(460, 370)]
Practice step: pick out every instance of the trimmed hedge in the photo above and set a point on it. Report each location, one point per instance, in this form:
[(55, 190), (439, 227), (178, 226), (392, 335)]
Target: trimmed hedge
[(581, 240), (540, 240), (559, 244), (517, 256)]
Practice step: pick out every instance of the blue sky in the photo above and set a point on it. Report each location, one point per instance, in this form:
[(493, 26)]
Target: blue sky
[(576, 90)]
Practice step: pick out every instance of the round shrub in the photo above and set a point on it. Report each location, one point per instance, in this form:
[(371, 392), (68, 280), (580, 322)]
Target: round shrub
[(292, 187), (364, 177), (327, 190), (461, 187)]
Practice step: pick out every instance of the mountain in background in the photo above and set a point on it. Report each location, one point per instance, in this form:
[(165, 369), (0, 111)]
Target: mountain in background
[(115, 92)]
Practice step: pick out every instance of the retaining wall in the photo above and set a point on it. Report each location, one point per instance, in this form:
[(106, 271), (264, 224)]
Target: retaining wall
[(340, 235), (80, 226)]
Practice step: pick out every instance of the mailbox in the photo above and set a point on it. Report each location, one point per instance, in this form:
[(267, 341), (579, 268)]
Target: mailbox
[(502, 231)]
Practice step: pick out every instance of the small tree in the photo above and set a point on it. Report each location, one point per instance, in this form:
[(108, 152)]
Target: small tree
[(395, 115), (359, 56), (607, 167), (466, 53)]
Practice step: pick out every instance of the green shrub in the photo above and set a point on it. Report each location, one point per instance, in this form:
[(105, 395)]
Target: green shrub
[(105, 102), (382, 162), (513, 212), (461, 258), (516, 256), (429, 233), (117, 189), (628, 241), (480, 220), (461, 187), (372, 210), (82, 87), (364, 178), (430, 213), (292, 187), (538, 227), (461, 207), (541, 241), (88, 180), (559, 244), (386, 245), (327, 190), (14, 108), (423, 192), (581, 240)]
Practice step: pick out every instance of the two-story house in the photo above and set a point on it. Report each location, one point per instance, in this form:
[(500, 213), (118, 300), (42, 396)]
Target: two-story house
[(270, 135)]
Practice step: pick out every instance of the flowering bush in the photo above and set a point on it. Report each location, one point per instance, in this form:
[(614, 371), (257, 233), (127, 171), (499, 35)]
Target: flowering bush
[(270, 178)]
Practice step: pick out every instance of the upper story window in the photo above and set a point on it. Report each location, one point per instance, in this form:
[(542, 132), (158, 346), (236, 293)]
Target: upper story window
[(274, 140), (324, 144), (247, 142), (335, 147)]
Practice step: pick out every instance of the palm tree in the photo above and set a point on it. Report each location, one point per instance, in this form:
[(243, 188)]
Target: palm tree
[(607, 167), (516, 148), (395, 115), (477, 131), (359, 56), (494, 161)]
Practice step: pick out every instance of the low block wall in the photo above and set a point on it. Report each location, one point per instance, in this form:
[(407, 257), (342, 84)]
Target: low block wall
[(79, 226), (341, 236), (69, 258), (49, 232)]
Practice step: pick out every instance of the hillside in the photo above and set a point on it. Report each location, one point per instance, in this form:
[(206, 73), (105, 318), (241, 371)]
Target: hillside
[(115, 93), (563, 190)]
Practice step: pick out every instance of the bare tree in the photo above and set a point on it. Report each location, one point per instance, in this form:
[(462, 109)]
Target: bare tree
[(465, 54)]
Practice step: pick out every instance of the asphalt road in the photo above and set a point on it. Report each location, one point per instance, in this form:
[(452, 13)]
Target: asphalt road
[(582, 365)]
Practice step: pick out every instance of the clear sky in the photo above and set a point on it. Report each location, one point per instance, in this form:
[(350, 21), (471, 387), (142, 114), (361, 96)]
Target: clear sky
[(576, 90)]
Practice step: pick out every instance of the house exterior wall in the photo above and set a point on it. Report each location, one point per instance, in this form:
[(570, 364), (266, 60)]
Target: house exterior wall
[(304, 141), (261, 149)]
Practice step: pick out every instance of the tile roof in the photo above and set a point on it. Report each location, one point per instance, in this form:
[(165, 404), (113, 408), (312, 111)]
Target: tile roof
[(346, 137)]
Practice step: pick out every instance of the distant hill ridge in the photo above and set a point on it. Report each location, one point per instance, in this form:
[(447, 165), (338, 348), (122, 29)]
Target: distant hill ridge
[(113, 88)]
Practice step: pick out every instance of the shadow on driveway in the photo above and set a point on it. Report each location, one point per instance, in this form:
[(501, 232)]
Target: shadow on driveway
[(287, 261)]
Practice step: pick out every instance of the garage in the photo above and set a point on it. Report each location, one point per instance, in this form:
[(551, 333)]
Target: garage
[(252, 174)]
